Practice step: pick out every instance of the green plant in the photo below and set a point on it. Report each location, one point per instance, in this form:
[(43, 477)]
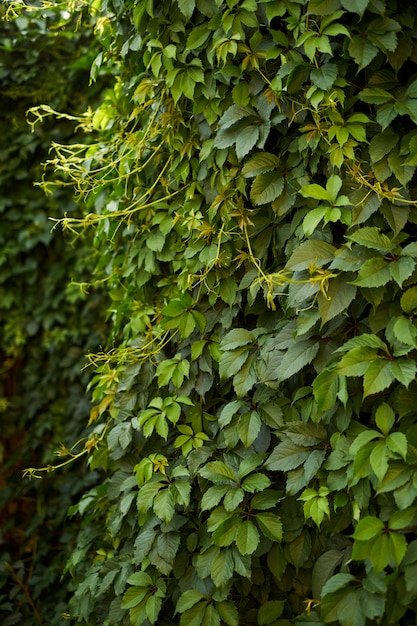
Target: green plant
[(251, 185), (46, 325)]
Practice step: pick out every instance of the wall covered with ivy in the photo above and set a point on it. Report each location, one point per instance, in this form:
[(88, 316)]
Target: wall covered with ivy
[(248, 182)]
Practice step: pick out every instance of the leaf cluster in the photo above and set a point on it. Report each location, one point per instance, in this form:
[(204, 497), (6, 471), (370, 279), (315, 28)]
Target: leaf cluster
[(251, 183)]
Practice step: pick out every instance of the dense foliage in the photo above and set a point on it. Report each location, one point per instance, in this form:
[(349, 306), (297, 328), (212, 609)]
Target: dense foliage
[(250, 182), (46, 326)]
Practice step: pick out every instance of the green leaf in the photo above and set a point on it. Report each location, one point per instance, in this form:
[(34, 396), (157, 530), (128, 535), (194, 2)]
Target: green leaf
[(339, 296), (405, 331), (380, 553), (324, 76), (396, 476), (379, 460), (325, 388), (217, 472), (266, 187), (228, 612), (362, 439), (197, 37), (246, 140), (233, 498), (134, 596), (371, 237), (384, 418), (265, 500), (236, 338), (164, 505), (397, 443), (247, 537), (260, 163), (194, 616), (365, 339), (401, 520), (382, 144), (311, 252), (398, 547), (296, 357), (186, 7), (315, 191), (374, 273), (323, 569), (337, 582), (409, 300), (368, 528), (255, 482), (250, 463), (232, 361), (355, 6), (212, 496), (221, 569), (248, 427), (375, 95), (402, 269), (140, 579), (364, 208), (404, 371), (246, 377), (287, 456), (153, 607), (270, 525), (385, 115), (312, 219), (362, 51), (356, 361), (270, 611), (377, 377)]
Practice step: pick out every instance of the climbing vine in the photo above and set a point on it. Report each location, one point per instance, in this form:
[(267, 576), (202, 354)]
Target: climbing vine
[(249, 177)]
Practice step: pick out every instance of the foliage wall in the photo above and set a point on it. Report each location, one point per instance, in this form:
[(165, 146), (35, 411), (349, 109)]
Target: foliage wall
[(46, 327), (250, 182)]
